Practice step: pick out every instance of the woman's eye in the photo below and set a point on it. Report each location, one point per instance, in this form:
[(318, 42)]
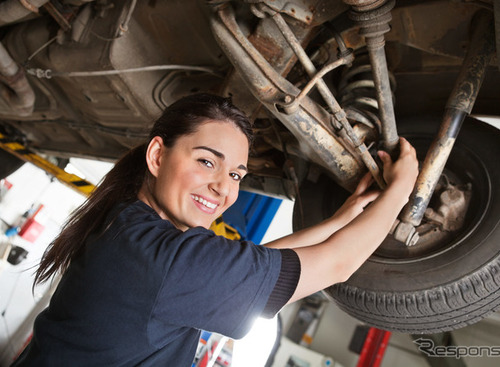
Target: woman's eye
[(206, 163), (236, 176)]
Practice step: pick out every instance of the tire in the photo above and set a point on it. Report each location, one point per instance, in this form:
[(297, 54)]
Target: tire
[(8, 163), (455, 281)]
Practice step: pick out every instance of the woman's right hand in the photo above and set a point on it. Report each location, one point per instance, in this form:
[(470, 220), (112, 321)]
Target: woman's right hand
[(402, 173)]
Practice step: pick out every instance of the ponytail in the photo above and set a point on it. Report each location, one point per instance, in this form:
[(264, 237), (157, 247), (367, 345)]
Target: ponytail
[(120, 185)]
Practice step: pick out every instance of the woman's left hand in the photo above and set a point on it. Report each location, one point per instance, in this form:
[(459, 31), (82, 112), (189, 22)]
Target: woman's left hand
[(355, 203)]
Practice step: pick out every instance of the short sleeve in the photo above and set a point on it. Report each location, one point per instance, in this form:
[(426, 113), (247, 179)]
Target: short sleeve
[(216, 284)]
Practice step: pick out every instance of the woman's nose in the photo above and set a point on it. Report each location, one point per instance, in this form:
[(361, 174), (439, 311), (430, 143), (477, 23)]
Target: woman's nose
[(221, 184)]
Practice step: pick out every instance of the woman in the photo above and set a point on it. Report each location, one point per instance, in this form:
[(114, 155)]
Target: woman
[(141, 272)]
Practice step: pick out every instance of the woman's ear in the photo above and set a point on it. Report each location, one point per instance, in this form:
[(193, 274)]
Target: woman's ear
[(154, 155)]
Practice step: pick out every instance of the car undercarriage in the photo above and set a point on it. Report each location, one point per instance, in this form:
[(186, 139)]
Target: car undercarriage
[(326, 84)]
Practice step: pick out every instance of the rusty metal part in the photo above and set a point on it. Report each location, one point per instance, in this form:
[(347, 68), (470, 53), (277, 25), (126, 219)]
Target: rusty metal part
[(339, 120), (18, 93), (373, 18), (453, 204), (356, 89), (458, 106), (58, 17), (295, 10), (309, 124), (405, 232), (307, 64), (447, 215), (311, 13), (433, 167), (32, 8), (475, 63), (123, 27), (293, 103), (12, 11)]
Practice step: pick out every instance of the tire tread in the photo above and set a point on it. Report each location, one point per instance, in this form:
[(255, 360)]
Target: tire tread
[(441, 308)]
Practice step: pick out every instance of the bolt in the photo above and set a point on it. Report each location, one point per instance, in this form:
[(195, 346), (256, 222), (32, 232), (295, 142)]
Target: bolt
[(412, 239), (405, 232)]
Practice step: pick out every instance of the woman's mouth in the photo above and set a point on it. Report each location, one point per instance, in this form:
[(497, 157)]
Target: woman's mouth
[(204, 202)]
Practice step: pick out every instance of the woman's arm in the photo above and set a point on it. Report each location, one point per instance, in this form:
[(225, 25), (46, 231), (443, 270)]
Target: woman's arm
[(318, 233), (342, 253)]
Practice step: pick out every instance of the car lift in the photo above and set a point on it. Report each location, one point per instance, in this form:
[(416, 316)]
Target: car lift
[(374, 347), (76, 183)]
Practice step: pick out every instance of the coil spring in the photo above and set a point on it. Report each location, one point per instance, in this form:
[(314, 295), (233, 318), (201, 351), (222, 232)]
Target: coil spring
[(357, 94)]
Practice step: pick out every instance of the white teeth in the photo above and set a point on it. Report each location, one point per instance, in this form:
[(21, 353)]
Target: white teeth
[(204, 202)]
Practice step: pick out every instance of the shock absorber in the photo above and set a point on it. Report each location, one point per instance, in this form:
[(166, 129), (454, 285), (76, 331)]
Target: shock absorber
[(459, 105), (373, 17)]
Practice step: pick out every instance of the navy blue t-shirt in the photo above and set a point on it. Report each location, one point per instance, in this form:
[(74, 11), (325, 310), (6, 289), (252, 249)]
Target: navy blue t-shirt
[(141, 292)]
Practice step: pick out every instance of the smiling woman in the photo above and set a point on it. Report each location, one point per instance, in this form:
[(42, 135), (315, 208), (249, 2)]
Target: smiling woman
[(142, 274), (198, 178)]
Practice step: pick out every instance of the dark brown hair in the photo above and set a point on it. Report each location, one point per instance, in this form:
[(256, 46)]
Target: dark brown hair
[(123, 182)]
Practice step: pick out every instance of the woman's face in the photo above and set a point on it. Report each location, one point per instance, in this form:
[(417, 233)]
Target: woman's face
[(198, 178)]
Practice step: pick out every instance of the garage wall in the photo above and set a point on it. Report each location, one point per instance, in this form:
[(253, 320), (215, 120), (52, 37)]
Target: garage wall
[(31, 187)]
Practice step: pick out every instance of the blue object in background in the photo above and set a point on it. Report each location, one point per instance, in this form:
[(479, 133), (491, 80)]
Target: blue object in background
[(12, 231), (251, 215)]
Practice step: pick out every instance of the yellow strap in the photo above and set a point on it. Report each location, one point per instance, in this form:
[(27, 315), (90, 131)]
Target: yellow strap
[(223, 229)]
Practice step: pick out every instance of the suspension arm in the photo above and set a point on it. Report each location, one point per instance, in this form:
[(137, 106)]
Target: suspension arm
[(309, 123), (338, 113)]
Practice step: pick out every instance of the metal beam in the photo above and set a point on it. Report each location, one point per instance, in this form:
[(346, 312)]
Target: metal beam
[(73, 181)]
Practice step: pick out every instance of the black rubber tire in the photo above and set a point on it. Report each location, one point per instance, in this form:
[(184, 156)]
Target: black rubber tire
[(447, 287), (8, 163)]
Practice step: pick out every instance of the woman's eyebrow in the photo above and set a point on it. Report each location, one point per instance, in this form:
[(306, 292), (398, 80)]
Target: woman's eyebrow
[(219, 155), (213, 151)]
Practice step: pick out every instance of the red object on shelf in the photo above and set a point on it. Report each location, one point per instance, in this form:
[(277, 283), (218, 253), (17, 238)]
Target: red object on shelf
[(374, 348), (6, 184), (31, 229)]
